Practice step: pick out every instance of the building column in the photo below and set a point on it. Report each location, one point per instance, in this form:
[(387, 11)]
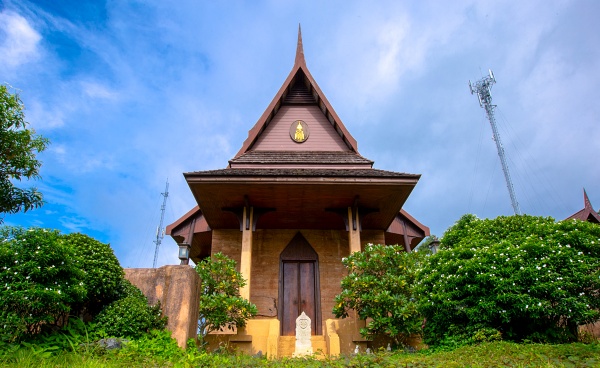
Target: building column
[(353, 230), (246, 258)]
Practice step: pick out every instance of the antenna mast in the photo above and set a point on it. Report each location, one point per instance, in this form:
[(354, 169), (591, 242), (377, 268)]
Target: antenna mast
[(160, 231), (483, 88)]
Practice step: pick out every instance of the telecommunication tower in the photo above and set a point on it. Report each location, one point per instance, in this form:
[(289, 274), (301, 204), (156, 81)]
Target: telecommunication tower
[(483, 88), (160, 231)]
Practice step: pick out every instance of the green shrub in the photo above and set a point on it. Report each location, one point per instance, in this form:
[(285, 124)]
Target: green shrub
[(156, 345), (76, 336), (130, 316), (380, 287), (530, 278), (102, 271), (40, 278)]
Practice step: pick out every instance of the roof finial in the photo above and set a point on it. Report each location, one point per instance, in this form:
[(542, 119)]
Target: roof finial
[(586, 200), (299, 48)]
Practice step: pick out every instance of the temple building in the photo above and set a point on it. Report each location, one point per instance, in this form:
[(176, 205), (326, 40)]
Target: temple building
[(295, 200)]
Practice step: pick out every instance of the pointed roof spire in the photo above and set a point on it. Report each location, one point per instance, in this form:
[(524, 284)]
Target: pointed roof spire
[(299, 49), (586, 200)]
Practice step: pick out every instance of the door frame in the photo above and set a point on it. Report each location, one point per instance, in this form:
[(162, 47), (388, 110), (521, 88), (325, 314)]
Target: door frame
[(300, 250)]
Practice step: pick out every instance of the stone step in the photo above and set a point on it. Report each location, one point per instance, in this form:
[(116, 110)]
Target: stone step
[(287, 345)]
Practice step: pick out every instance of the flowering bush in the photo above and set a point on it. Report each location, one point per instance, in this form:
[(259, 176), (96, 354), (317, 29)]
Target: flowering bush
[(220, 301), (380, 287), (526, 277), (40, 278), (130, 316), (102, 272), (47, 276)]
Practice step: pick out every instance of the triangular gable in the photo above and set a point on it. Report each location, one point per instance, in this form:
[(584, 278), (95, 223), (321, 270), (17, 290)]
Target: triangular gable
[(301, 70), (406, 229)]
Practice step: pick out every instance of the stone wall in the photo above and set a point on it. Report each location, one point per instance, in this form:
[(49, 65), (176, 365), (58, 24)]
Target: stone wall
[(593, 329), (177, 288)]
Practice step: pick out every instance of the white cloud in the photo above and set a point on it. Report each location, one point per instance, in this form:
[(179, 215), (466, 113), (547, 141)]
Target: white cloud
[(74, 224), (386, 47), (95, 162), (42, 117), (18, 40), (97, 90), (59, 151)]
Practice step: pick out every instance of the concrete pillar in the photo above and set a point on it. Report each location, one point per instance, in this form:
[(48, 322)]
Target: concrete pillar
[(246, 258), (273, 340), (353, 231)]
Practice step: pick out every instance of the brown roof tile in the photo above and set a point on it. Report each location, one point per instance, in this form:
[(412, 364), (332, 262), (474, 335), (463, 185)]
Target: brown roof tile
[(301, 157), (359, 173)]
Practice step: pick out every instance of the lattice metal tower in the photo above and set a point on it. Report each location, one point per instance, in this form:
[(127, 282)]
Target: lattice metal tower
[(483, 88), (160, 231)]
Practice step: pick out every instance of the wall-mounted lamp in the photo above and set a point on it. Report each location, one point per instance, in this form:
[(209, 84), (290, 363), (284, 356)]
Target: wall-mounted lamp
[(184, 253)]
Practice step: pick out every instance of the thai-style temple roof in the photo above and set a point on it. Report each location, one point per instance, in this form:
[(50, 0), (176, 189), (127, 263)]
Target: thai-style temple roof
[(299, 184), (587, 213)]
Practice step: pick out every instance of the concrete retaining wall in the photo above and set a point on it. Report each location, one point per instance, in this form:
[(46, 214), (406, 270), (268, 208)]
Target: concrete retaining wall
[(177, 288)]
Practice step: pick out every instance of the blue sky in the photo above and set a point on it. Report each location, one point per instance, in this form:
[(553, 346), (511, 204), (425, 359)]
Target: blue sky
[(132, 93)]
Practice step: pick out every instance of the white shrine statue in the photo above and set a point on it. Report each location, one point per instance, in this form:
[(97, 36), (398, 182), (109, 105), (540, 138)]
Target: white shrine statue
[(303, 332)]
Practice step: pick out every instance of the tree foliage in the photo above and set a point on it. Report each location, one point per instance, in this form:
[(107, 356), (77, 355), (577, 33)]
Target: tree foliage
[(380, 287), (529, 278), (18, 148), (220, 302)]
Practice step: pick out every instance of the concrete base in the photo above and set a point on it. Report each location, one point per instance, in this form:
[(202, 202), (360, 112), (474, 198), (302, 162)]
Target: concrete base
[(262, 335), (177, 288), (259, 335)]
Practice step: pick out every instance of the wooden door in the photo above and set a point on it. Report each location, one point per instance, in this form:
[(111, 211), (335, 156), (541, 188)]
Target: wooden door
[(299, 286), (298, 295)]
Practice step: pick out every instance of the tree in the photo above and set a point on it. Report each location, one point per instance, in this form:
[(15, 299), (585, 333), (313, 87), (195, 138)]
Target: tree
[(220, 302), (525, 277), (18, 148), (380, 287)]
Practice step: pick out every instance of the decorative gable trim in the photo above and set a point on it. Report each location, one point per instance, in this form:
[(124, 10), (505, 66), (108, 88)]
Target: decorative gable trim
[(300, 70)]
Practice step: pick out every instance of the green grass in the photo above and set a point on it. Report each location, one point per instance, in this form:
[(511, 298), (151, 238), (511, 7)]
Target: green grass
[(496, 354)]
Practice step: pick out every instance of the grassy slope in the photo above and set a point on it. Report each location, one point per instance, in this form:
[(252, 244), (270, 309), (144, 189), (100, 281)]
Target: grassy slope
[(497, 354)]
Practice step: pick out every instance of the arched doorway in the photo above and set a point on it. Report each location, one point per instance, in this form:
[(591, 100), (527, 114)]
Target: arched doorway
[(299, 286)]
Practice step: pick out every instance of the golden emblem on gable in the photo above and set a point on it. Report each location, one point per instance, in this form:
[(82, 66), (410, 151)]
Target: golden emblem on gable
[(299, 131)]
